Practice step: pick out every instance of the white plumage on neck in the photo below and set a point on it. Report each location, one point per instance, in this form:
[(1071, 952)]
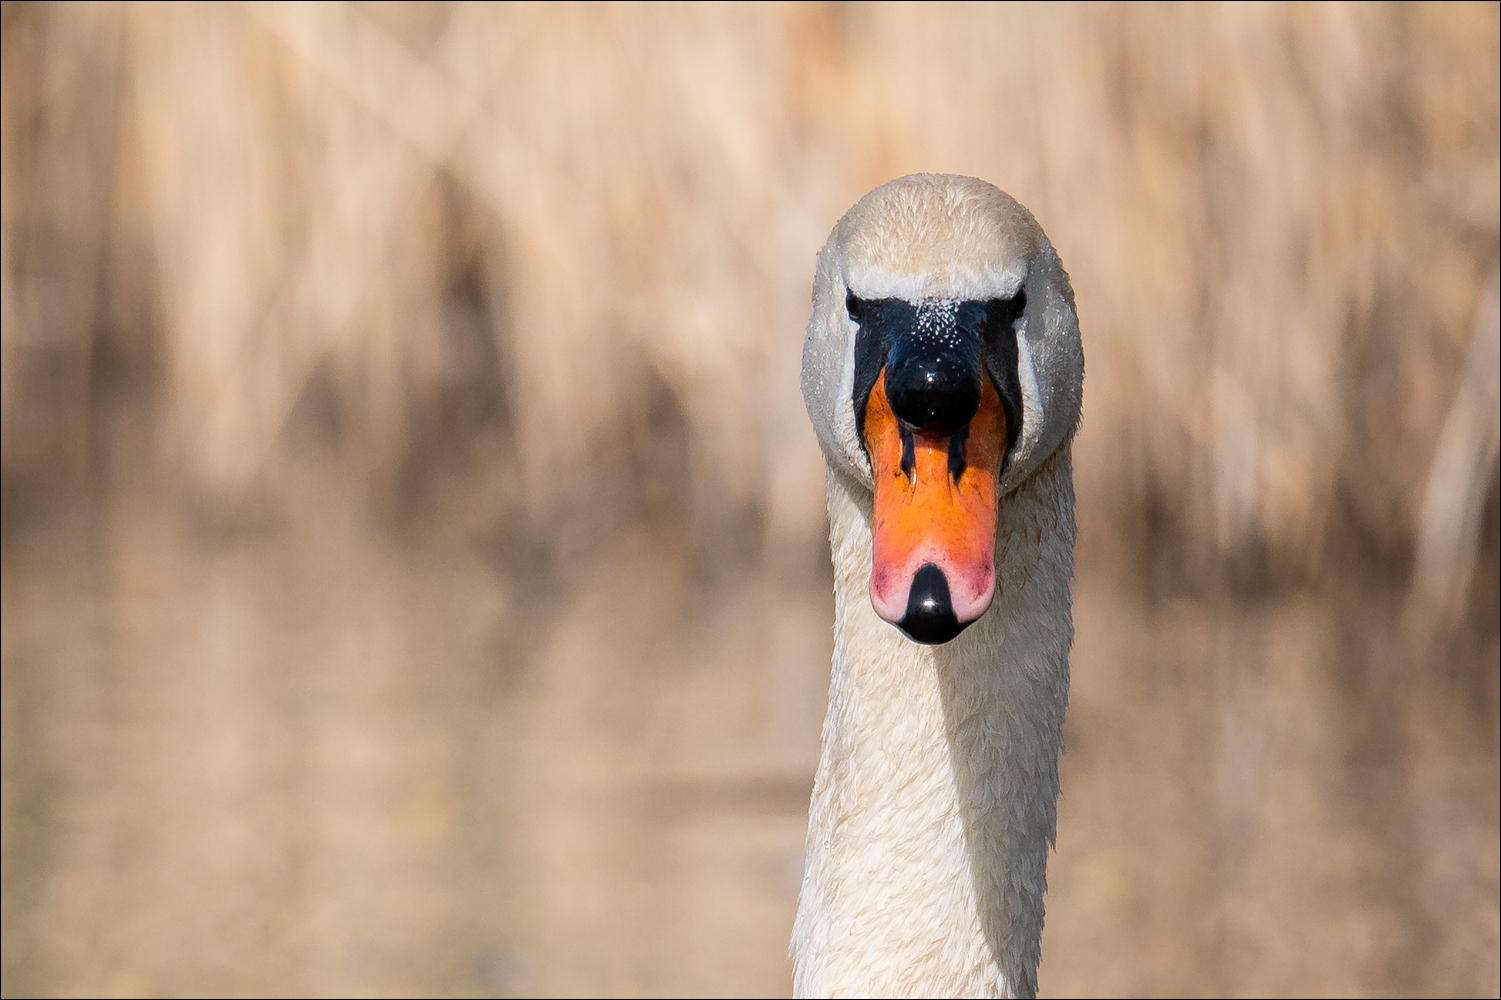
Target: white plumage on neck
[(934, 802), (933, 805)]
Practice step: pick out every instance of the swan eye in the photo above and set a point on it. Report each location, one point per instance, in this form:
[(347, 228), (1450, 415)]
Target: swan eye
[(997, 317), (998, 352), (854, 306), (1017, 304)]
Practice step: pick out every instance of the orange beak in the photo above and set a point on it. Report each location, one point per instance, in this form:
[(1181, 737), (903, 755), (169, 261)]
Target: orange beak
[(935, 515)]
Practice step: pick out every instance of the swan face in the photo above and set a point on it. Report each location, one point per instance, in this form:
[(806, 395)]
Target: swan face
[(942, 365)]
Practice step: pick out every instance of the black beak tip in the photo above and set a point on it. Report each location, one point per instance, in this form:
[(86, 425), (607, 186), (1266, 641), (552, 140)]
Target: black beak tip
[(930, 616)]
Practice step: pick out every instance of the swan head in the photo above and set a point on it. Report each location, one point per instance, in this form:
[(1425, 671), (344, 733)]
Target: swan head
[(942, 365)]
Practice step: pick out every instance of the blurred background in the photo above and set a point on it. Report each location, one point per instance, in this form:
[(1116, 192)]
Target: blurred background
[(415, 575)]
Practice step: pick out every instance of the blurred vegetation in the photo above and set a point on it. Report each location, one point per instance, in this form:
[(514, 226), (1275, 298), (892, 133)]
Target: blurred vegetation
[(564, 251)]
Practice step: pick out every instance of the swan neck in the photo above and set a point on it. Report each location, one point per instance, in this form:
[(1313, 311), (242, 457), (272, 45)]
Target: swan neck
[(934, 799)]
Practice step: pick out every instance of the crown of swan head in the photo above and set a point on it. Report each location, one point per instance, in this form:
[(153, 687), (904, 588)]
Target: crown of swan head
[(942, 365)]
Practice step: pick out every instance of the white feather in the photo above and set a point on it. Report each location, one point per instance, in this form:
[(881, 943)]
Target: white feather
[(934, 802)]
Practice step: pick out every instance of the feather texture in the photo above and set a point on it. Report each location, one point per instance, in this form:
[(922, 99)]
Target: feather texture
[(935, 797)]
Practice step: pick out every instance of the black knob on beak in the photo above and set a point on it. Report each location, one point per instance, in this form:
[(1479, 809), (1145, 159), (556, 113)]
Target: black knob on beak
[(931, 388)]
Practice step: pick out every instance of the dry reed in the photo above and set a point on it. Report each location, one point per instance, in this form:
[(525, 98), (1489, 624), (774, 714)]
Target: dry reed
[(591, 229)]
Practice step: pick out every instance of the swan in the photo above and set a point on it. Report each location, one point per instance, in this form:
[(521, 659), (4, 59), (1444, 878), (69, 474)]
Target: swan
[(943, 373)]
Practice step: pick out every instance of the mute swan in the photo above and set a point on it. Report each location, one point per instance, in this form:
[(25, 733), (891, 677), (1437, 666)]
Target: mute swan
[(943, 373)]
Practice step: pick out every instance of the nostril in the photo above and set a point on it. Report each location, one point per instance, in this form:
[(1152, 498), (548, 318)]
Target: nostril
[(930, 617), (937, 392)]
